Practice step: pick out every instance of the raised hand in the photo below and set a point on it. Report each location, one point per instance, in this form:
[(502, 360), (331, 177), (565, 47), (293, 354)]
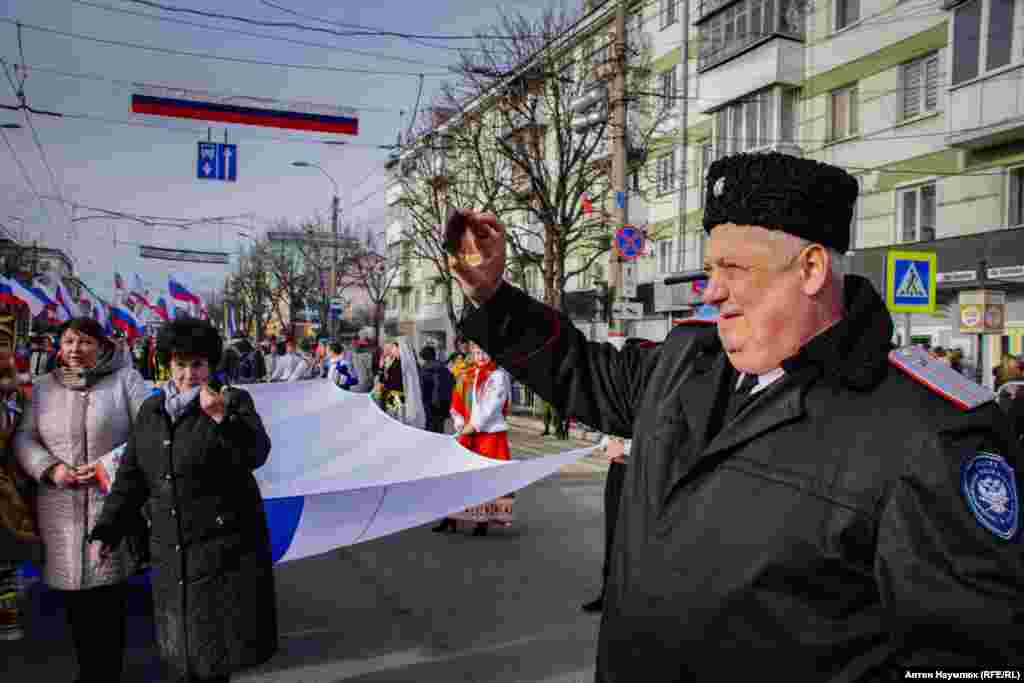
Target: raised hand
[(476, 246)]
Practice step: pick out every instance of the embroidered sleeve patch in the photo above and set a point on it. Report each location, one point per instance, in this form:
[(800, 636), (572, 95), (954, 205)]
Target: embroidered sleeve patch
[(990, 486), (915, 362)]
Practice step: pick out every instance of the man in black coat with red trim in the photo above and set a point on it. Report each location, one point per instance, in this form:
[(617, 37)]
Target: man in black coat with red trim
[(799, 503)]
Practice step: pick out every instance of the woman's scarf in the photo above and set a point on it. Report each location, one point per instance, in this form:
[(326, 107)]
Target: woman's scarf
[(176, 401), (108, 363), (415, 413)]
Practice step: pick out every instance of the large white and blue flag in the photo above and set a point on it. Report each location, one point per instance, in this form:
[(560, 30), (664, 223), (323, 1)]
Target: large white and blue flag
[(326, 488)]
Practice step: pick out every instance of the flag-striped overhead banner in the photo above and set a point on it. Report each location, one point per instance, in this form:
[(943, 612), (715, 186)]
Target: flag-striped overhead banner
[(159, 100)]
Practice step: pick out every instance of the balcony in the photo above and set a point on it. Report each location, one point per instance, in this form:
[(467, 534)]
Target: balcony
[(774, 60), (729, 29), (987, 111)]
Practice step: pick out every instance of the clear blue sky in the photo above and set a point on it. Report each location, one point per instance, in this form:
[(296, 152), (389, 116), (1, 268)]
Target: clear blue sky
[(151, 171)]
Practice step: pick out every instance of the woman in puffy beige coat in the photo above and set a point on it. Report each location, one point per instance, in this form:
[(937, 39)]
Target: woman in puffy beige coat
[(80, 412)]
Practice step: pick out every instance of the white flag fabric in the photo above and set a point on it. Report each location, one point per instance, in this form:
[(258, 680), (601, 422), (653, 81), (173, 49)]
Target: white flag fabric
[(342, 471)]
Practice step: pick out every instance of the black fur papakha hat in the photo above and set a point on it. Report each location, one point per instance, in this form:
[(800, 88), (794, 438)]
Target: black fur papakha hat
[(803, 197)]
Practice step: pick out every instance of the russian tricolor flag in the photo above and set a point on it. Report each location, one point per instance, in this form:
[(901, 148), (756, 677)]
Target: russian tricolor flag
[(63, 299), (181, 293), (41, 290), (13, 292), (123, 320), (161, 309)]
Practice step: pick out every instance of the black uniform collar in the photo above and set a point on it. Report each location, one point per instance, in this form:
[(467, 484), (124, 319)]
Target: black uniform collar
[(854, 352)]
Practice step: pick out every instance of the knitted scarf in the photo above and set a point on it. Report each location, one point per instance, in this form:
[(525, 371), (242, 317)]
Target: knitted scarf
[(176, 401)]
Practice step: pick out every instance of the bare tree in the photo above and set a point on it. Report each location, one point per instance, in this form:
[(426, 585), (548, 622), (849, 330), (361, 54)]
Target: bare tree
[(530, 149), (319, 251), (374, 272), (292, 285), (250, 290)]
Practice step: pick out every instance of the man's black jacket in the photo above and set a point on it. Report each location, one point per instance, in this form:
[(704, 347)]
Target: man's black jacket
[(820, 535)]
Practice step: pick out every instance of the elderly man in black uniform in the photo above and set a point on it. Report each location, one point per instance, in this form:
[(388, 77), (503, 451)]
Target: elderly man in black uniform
[(796, 508)]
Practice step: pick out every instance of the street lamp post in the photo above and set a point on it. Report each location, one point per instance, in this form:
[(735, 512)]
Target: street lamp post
[(334, 229)]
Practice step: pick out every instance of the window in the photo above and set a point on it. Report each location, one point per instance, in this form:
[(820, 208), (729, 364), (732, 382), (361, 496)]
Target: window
[(978, 46), (966, 41), (666, 252), (1000, 33), (916, 213), (693, 246), (843, 106), (584, 279), (1015, 212), (668, 89), (722, 126), (668, 12), (847, 13), (921, 86), (787, 114), (746, 125), (530, 277), (666, 175), (707, 155)]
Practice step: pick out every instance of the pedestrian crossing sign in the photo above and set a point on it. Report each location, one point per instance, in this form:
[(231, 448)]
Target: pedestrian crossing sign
[(910, 282)]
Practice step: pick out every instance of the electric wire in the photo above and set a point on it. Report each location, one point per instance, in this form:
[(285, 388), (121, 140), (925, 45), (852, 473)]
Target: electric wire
[(235, 31), (207, 55)]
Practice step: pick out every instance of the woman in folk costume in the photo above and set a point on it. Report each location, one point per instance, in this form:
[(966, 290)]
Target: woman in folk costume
[(479, 413), (461, 365)]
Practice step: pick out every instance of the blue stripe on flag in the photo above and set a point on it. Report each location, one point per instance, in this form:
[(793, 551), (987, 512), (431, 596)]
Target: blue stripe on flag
[(283, 515)]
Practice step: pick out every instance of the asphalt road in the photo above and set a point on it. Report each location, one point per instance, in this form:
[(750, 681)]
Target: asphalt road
[(412, 607)]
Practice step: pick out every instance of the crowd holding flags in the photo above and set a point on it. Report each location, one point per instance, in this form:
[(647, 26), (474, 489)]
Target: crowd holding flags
[(130, 309)]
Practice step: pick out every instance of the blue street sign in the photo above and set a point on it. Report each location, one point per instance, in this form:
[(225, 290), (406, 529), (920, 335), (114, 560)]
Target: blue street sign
[(910, 281), (228, 161), (217, 161), (620, 200), (206, 165)]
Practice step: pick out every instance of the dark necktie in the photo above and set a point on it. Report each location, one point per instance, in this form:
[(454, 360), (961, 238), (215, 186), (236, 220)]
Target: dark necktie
[(741, 395)]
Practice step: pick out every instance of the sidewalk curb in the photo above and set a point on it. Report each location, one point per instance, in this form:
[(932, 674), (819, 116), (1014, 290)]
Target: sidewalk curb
[(531, 422)]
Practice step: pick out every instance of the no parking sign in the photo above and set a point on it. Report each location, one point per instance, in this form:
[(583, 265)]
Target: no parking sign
[(629, 241)]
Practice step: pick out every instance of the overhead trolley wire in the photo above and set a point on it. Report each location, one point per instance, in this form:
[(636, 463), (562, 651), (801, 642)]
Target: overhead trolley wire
[(207, 55)]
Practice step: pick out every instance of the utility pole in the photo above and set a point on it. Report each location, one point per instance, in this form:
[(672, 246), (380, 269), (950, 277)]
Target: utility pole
[(617, 123), (684, 138), (333, 288)]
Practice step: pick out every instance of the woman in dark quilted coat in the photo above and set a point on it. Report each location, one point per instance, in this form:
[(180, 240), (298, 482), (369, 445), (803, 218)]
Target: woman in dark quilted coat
[(190, 460)]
